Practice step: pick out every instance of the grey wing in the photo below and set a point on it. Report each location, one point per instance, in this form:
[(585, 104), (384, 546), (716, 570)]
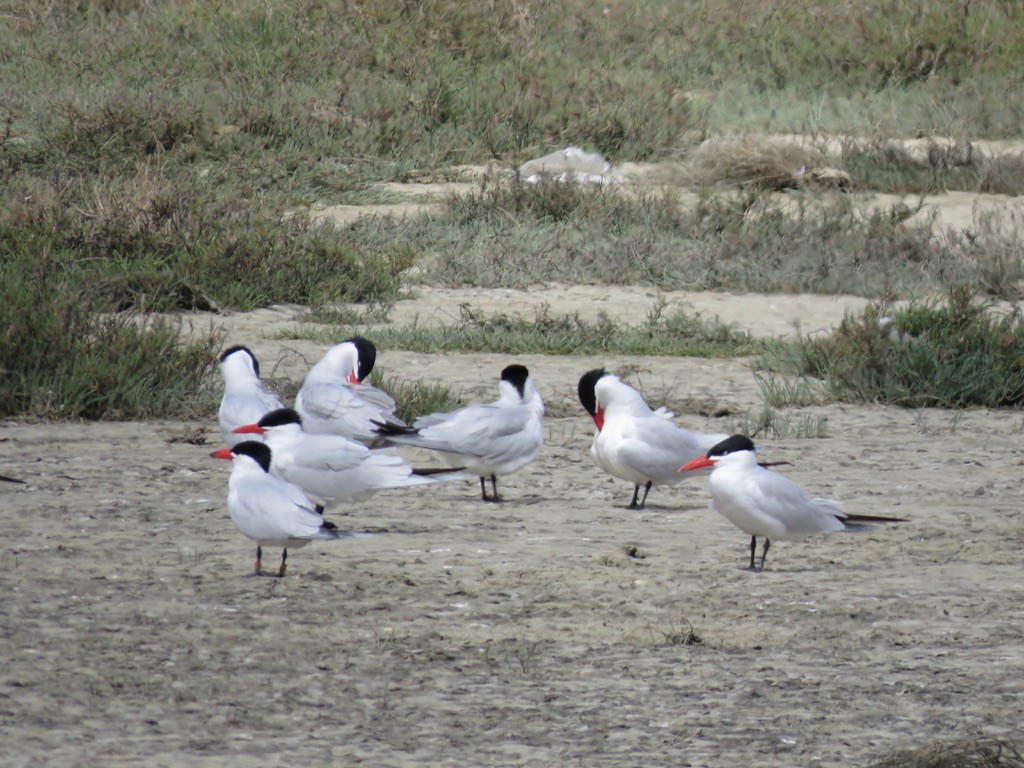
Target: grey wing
[(378, 398), (494, 433), (324, 401), (659, 448), (781, 499), (330, 453), (276, 510)]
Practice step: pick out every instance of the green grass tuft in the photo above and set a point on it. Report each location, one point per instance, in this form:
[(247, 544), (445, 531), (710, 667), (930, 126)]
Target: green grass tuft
[(679, 334), (957, 354), (73, 362), (416, 397)]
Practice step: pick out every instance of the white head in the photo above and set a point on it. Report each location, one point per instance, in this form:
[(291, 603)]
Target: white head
[(239, 364), (350, 361)]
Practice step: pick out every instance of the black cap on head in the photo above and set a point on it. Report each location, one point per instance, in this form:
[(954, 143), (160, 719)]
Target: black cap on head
[(240, 348), (516, 375), (257, 451), (586, 389), (733, 444), (280, 417), (367, 354)]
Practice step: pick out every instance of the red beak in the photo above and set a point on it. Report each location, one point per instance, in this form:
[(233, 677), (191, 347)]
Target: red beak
[(599, 418), (353, 379), (250, 429), (698, 463), (223, 453)]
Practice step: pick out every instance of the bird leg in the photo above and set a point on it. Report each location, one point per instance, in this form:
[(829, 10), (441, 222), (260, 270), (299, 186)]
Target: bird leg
[(284, 563), (494, 489), (753, 551), (764, 552), (259, 557), (647, 489), (636, 495)]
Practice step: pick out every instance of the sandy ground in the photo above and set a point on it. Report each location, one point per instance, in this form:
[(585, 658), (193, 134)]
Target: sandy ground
[(555, 629)]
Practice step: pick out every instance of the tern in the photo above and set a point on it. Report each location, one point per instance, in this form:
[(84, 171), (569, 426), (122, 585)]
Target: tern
[(246, 398), (334, 400), (764, 503), (332, 467), (267, 509), (489, 440), (632, 442)]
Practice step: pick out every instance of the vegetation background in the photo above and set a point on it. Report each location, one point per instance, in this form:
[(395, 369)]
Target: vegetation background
[(165, 156)]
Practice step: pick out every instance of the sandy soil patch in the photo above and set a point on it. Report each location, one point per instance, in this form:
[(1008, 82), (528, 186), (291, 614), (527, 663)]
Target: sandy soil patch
[(550, 630)]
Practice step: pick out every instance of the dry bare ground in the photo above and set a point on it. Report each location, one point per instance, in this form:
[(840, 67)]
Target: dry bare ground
[(555, 629)]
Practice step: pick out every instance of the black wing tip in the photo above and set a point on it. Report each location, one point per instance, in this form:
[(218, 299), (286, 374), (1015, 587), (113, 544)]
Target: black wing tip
[(431, 471), (874, 519), (389, 428)]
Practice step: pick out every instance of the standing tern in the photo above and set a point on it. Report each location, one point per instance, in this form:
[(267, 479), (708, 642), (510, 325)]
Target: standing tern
[(764, 503), (631, 441), (487, 439), (246, 398), (268, 509), (332, 467), (334, 400)]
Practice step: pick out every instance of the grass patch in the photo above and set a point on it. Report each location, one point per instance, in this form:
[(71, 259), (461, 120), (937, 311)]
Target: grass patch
[(183, 165), (77, 363), (889, 167), (678, 334), (143, 246), (955, 354), (416, 397), (516, 234), (154, 149), (968, 753), (768, 421), (779, 392)]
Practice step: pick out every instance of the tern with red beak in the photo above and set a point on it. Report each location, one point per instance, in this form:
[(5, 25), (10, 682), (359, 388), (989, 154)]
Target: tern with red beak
[(764, 503), (267, 509), (246, 398), (331, 467), (334, 400), (631, 441), (488, 440)]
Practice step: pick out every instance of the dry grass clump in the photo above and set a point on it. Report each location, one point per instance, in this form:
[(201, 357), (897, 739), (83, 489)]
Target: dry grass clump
[(970, 753), (760, 163)]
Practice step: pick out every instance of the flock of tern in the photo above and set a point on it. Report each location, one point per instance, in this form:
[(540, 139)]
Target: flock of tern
[(337, 445)]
